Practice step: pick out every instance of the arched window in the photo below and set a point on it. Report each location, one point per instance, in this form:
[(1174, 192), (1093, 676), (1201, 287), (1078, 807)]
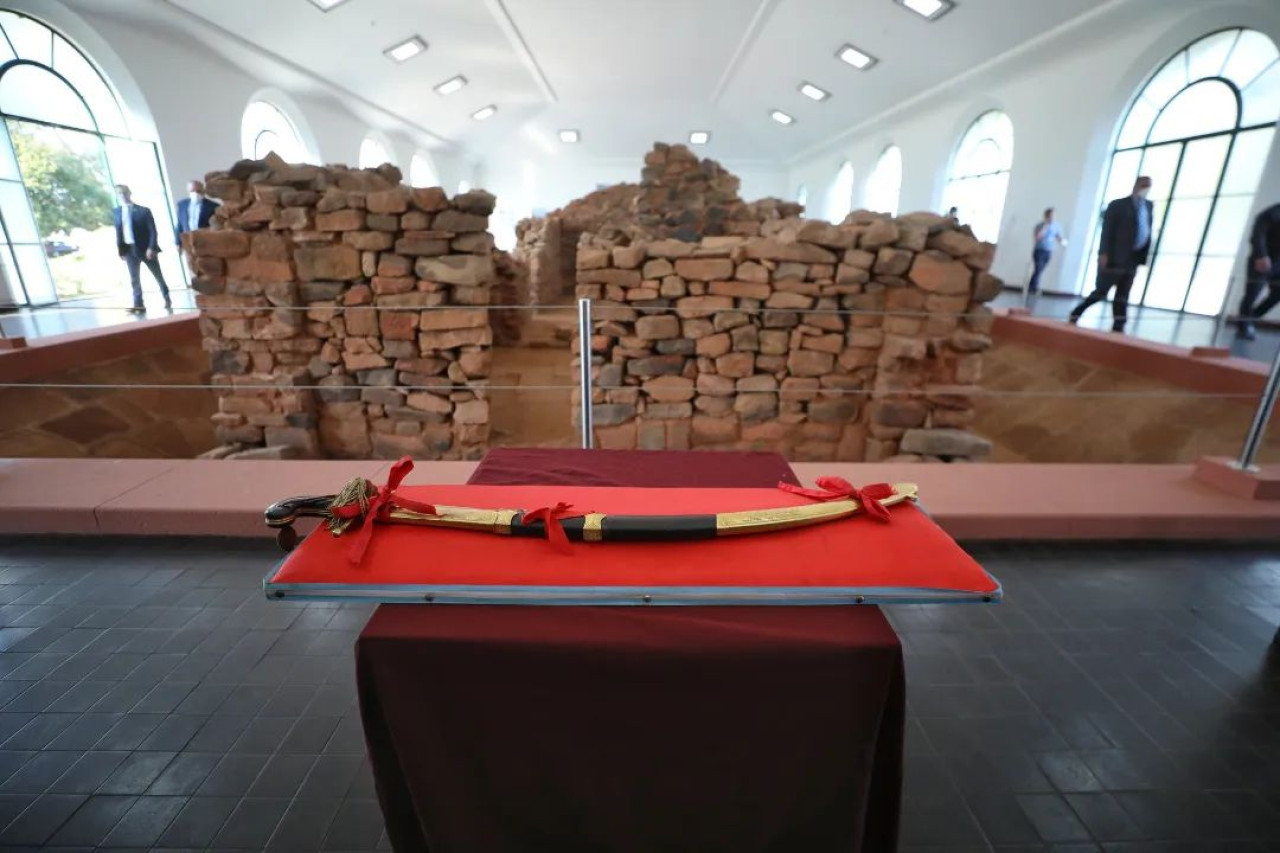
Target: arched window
[(422, 172), (64, 144), (802, 195), (1201, 128), (979, 176), (840, 196), (884, 186), (266, 128), (374, 151)]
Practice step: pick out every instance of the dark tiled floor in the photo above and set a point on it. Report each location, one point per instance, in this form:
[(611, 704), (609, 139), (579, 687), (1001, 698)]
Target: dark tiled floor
[(1122, 699)]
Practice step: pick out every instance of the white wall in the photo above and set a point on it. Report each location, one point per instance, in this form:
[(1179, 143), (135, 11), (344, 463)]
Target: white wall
[(1065, 96)]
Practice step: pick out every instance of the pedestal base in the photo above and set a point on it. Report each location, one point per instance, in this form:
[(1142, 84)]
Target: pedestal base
[(1259, 484)]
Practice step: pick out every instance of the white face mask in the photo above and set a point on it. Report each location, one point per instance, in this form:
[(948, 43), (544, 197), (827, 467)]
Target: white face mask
[(1143, 193), (195, 197)]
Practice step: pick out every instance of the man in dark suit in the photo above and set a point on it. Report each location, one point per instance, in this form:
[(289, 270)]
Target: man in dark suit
[(1263, 271), (194, 212), (136, 240), (1125, 246)]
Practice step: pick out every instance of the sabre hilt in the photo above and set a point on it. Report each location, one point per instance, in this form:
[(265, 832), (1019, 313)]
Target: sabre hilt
[(282, 514)]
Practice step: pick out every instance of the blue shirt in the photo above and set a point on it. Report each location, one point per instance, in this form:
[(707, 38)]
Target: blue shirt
[(193, 214), (1143, 236), (1050, 235)]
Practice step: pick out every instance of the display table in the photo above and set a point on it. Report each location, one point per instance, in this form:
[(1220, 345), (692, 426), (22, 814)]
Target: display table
[(634, 729)]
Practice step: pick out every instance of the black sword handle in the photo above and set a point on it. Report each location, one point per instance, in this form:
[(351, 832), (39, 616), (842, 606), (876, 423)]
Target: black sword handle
[(289, 510)]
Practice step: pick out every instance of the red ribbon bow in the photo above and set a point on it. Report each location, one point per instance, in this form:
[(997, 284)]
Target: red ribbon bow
[(380, 506), (838, 489), (550, 517)]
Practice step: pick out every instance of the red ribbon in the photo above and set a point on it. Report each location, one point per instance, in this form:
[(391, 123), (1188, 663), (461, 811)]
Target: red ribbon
[(380, 506), (550, 517), (839, 489)]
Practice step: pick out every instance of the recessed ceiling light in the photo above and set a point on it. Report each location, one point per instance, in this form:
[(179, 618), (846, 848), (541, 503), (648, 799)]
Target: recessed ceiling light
[(484, 113), (857, 58), (780, 117), (811, 91), (453, 84), (570, 136), (700, 137), (930, 9), (406, 50), (326, 5)]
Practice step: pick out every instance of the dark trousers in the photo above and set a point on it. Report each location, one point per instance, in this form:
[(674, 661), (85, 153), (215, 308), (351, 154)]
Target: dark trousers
[(1253, 289), (1041, 258), (135, 262), (1122, 281)]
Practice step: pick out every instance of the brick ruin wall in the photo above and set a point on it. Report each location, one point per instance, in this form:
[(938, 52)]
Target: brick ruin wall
[(679, 197), (344, 315), (852, 342)]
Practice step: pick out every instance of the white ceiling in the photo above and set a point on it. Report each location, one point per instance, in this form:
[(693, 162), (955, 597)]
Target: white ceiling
[(628, 72)]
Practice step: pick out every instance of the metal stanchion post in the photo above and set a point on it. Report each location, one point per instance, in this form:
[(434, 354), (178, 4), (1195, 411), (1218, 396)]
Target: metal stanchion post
[(1258, 429), (584, 370)]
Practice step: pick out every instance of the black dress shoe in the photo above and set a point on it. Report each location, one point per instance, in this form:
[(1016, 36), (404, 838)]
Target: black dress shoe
[(137, 309), (1246, 331)]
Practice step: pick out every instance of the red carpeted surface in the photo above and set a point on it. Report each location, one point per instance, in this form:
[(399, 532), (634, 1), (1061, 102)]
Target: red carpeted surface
[(634, 729)]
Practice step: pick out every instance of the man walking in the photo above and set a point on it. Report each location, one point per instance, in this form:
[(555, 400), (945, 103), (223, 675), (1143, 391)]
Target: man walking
[(194, 212), (1047, 234), (1125, 246), (1264, 269), (136, 240)]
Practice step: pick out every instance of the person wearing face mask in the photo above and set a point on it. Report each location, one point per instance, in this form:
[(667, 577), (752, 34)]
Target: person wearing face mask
[(1125, 246), (194, 212), (136, 240)]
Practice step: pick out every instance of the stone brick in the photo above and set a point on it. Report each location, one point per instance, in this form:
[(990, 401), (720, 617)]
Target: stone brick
[(457, 269), (471, 412), (388, 201), (658, 327), (810, 363), (425, 401), (899, 413), (608, 276), (420, 248), (629, 257), (986, 287), (453, 318), (340, 220), (340, 263), (879, 234), (460, 222), (704, 269), (756, 407), (776, 250), (475, 201), (612, 414), (745, 339), (658, 365), (740, 289), (824, 234), (789, 300), (890, 261), (220, 243), (736, 364), (708, 430), (758, 382), (946, 443), (451, 338), (476, 243), (429, 199), (833, 410), (823, 343), (670, 389), (398, 325), (936, 273)]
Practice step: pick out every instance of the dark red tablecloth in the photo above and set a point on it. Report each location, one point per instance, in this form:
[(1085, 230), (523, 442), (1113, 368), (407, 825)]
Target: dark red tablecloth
[(634, 729)]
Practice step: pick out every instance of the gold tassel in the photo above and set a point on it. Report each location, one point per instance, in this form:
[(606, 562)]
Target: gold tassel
[(355, 492)]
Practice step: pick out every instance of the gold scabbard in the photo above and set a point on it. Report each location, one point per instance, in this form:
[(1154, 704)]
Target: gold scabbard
[(459, 517), (785, 518)]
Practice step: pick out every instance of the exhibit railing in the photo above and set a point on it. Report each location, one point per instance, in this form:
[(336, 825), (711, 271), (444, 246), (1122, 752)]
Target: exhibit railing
[(546, 397)]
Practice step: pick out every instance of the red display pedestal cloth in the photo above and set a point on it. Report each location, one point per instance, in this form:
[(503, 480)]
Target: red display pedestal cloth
[(635, 729)]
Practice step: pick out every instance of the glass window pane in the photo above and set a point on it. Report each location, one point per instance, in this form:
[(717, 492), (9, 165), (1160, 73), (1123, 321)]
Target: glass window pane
[(18, 220), (1248, 158), (8, 162), (1262, 98), (31, 92), (1210, 285), (73, 65), (1206, 107), (1210, 53), (1254, 52), (1139, 290), (1170, 278), (1137, 124), (884, 186), (1227, 230), (1202, 167), (1168, 81), (1124, 171), (265, 129), (10, 285), (31, 39), (35, 274), (6, 55), (1185, 225), (1159, 163), (422, 173), (373, 153)]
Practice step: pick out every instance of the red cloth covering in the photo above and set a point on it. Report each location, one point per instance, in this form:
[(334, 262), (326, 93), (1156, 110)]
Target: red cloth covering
[(635, 729)]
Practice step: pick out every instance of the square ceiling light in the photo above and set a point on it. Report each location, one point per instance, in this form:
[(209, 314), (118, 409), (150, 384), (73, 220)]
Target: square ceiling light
[(327, 5), (930, 10), (484, 113), (700, 137), (453, 84), (406, 50), (814, 92), (570, 136), (780, 117), (859, 59)]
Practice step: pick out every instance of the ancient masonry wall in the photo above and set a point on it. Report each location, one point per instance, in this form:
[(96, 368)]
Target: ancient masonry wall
[(346, 280), (854, 342)]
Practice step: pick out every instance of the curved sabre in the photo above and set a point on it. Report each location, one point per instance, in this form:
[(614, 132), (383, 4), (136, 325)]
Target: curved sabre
[(591, 527)]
